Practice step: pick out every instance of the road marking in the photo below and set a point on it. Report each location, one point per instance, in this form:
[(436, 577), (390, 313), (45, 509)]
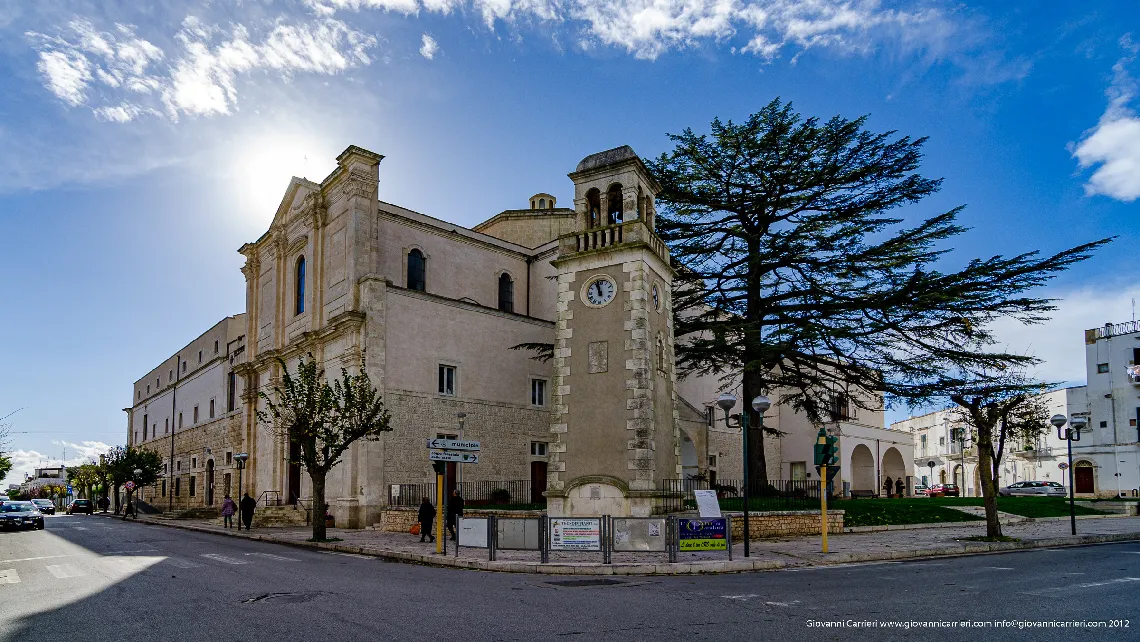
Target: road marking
[(1054, 589), (357, 555), (9, 576), (222, 558), (43, 557), (792, 603), (278, 558), (181, 563), (137, 550), (83, 528), (1000, 568), (747, 596), (64, 571)]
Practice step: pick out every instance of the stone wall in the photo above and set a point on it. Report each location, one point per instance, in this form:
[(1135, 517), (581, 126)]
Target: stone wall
[(221, 436), (785, 523), (399, 519)]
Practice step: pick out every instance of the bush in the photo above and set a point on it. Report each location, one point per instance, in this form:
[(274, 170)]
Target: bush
[(501, 496)]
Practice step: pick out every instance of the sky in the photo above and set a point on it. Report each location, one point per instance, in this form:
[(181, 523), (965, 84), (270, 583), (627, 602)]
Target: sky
[(142, 143)]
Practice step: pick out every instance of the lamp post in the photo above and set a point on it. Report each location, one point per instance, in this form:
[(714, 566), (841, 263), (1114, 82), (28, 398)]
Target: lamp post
[(1076, 424), (137, 491), (930, 481), (240, 459), (760, 404)]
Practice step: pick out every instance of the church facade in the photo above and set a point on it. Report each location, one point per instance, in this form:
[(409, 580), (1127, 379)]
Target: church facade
[(432, 310)]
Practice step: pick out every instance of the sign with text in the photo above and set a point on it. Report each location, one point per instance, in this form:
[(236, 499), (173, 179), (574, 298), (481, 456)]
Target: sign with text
[(450, 455), (453, 444), (707, 503), (575, 534), (703, 534)]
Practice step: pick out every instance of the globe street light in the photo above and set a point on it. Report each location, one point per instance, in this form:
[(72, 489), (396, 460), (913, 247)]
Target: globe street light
[(1076, 424), (760, 404), (240, 459)]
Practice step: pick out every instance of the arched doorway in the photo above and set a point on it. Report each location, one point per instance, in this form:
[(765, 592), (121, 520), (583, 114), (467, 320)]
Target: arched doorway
[(942, 476), (894, 467), (209, 482), (1084, 477), (862, 469), (960, 478), (689, 465)]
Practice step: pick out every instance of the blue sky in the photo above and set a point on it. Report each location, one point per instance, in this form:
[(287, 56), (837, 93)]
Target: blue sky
[(142, 143)]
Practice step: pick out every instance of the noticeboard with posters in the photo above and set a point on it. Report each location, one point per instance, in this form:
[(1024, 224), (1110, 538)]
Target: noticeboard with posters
[(582, 534), (702, 534)]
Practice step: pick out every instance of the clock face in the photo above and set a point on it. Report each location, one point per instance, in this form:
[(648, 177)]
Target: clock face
[(656, 299), (600, 291)]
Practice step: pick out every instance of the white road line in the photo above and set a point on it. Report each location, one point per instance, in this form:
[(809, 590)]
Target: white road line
[(792, 603), (999, 568), (83, 528), (1055, 589), (181, 563), (42, 557), (9, 576), (137, 550), (222, 558), (747, 596), (277, 558), (64, 571)]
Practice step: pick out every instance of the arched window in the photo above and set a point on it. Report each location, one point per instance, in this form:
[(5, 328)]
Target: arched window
[(506, 293), (416, 270), (593, 208), (542, 203), (299, 303), (613, 205)]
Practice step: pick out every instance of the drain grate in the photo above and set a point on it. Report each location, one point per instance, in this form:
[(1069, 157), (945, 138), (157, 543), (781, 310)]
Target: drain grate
[(591, 582)]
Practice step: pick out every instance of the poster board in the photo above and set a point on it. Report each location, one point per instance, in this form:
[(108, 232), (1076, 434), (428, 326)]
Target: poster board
[(702, 534), (707, 503), (575, 534)]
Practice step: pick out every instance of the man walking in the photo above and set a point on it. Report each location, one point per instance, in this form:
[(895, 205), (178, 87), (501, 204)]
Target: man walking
[(427, 519), (247, 505), (454, 512)]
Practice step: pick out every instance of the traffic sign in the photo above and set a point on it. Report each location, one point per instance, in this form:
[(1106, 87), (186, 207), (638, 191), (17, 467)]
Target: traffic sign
[(129, 486), (453, 444), (1063, 465), (447, 455)]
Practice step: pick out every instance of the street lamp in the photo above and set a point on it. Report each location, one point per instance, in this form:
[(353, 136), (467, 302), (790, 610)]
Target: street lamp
[(137, 491), (760, 404), (930, 481), (1076, 424), (240, 459)]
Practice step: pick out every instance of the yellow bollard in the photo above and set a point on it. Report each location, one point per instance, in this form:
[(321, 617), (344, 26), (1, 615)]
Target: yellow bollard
[(439, 513), (823, 502)]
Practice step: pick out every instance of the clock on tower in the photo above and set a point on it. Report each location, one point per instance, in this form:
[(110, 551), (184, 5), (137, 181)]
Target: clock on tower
[(614, 426)]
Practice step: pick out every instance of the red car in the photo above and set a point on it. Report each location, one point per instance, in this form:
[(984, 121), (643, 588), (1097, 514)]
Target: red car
[(944, 490)]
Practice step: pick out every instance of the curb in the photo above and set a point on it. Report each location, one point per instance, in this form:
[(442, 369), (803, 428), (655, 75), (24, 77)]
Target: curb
[(679, 568)]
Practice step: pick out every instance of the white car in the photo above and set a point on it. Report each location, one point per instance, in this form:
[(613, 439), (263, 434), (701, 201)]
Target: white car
[(1033, 489)]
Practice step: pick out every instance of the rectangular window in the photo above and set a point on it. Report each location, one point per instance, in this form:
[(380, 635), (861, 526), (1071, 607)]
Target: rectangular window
[(166, 425), (230, 460), (165, 468), (712, 461), (144, 427), (139, 394), (183, 366), (538, 392), (1104, 424), (199, 357), (1102, 368), (941, 441), (215, 346), (180, 420), (231, 392), (178, 465), (195, 413), (148, 392), (177, 486), (170, 376), (193, 463), (447, 380), (798, 470), (538, 448), (211, 409), (193, 478)]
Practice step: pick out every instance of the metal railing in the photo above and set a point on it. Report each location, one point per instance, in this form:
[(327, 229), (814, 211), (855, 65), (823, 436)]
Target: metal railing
[(772, 495), (269, 498), (475, 493), (1113, 329)]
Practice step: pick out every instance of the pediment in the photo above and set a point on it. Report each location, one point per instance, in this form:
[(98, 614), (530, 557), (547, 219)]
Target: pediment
[(293, 202)]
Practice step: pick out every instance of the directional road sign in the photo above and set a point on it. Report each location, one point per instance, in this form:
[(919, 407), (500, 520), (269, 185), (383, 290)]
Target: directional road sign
[(448, 455), (453, 444)]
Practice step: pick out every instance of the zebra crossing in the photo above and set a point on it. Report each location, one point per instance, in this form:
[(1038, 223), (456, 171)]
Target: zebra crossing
[(68, 567)]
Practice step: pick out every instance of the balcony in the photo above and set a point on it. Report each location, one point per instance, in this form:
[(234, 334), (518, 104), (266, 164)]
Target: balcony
[(1111, 330), (1133, 373)]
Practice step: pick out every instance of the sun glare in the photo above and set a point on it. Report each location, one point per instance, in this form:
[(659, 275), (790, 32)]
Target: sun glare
[(262, 171)]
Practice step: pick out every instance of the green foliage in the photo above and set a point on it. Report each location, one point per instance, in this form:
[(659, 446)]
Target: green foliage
[(881, 512), (500, 496), (5, 466)]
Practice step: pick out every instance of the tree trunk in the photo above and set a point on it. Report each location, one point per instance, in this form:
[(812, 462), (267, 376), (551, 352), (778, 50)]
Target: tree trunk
[(989, 489), (116, 489), (318, 478), (757, 463)]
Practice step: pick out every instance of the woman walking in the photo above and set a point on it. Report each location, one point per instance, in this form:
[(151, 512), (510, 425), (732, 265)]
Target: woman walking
[(229, 507)]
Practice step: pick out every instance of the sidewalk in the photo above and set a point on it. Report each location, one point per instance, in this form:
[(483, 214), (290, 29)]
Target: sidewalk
[(768, 554)]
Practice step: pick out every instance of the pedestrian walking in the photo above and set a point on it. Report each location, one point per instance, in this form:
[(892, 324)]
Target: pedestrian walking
[(899, 487), (454, 512), (228, 510), (887, 487), (247, 505), (130, 510), (104, 503), (427, 518)]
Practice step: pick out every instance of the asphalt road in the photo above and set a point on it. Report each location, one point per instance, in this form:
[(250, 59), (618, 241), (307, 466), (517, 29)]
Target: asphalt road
[(94, 578)]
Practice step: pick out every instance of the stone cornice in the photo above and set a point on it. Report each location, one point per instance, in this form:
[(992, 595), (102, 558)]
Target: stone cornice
[(336, 326)]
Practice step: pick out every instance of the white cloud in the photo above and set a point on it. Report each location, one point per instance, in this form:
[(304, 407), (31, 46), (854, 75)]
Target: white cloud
[(1113, 146), (1059, 342), (135, 77), (24, 462), (429, 47)]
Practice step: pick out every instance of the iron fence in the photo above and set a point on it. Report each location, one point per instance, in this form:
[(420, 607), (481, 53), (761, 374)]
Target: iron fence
[(764, 495), (515, 492)]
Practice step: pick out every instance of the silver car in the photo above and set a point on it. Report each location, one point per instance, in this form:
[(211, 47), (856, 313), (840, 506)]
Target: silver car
[(1033, 489)]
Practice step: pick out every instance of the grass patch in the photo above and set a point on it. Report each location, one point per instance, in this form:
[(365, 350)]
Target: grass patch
[(1023, 506), (984, 538), (327, 539), (882, 512)]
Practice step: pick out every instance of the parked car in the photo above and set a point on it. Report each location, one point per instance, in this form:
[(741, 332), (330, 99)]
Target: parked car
[(45, 506), (20, 515), (80, 506), (1033, 489), (944, 490), (921, 490)]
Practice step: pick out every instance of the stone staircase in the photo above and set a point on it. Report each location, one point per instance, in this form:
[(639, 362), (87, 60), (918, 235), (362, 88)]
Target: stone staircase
[(271, 516)]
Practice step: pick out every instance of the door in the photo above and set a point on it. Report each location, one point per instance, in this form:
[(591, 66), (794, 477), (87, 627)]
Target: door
[(537, 482), (1083, 482), (210, 482), (294, 491)]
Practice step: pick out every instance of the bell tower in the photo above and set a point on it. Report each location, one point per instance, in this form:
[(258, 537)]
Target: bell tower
[(614, 427)]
